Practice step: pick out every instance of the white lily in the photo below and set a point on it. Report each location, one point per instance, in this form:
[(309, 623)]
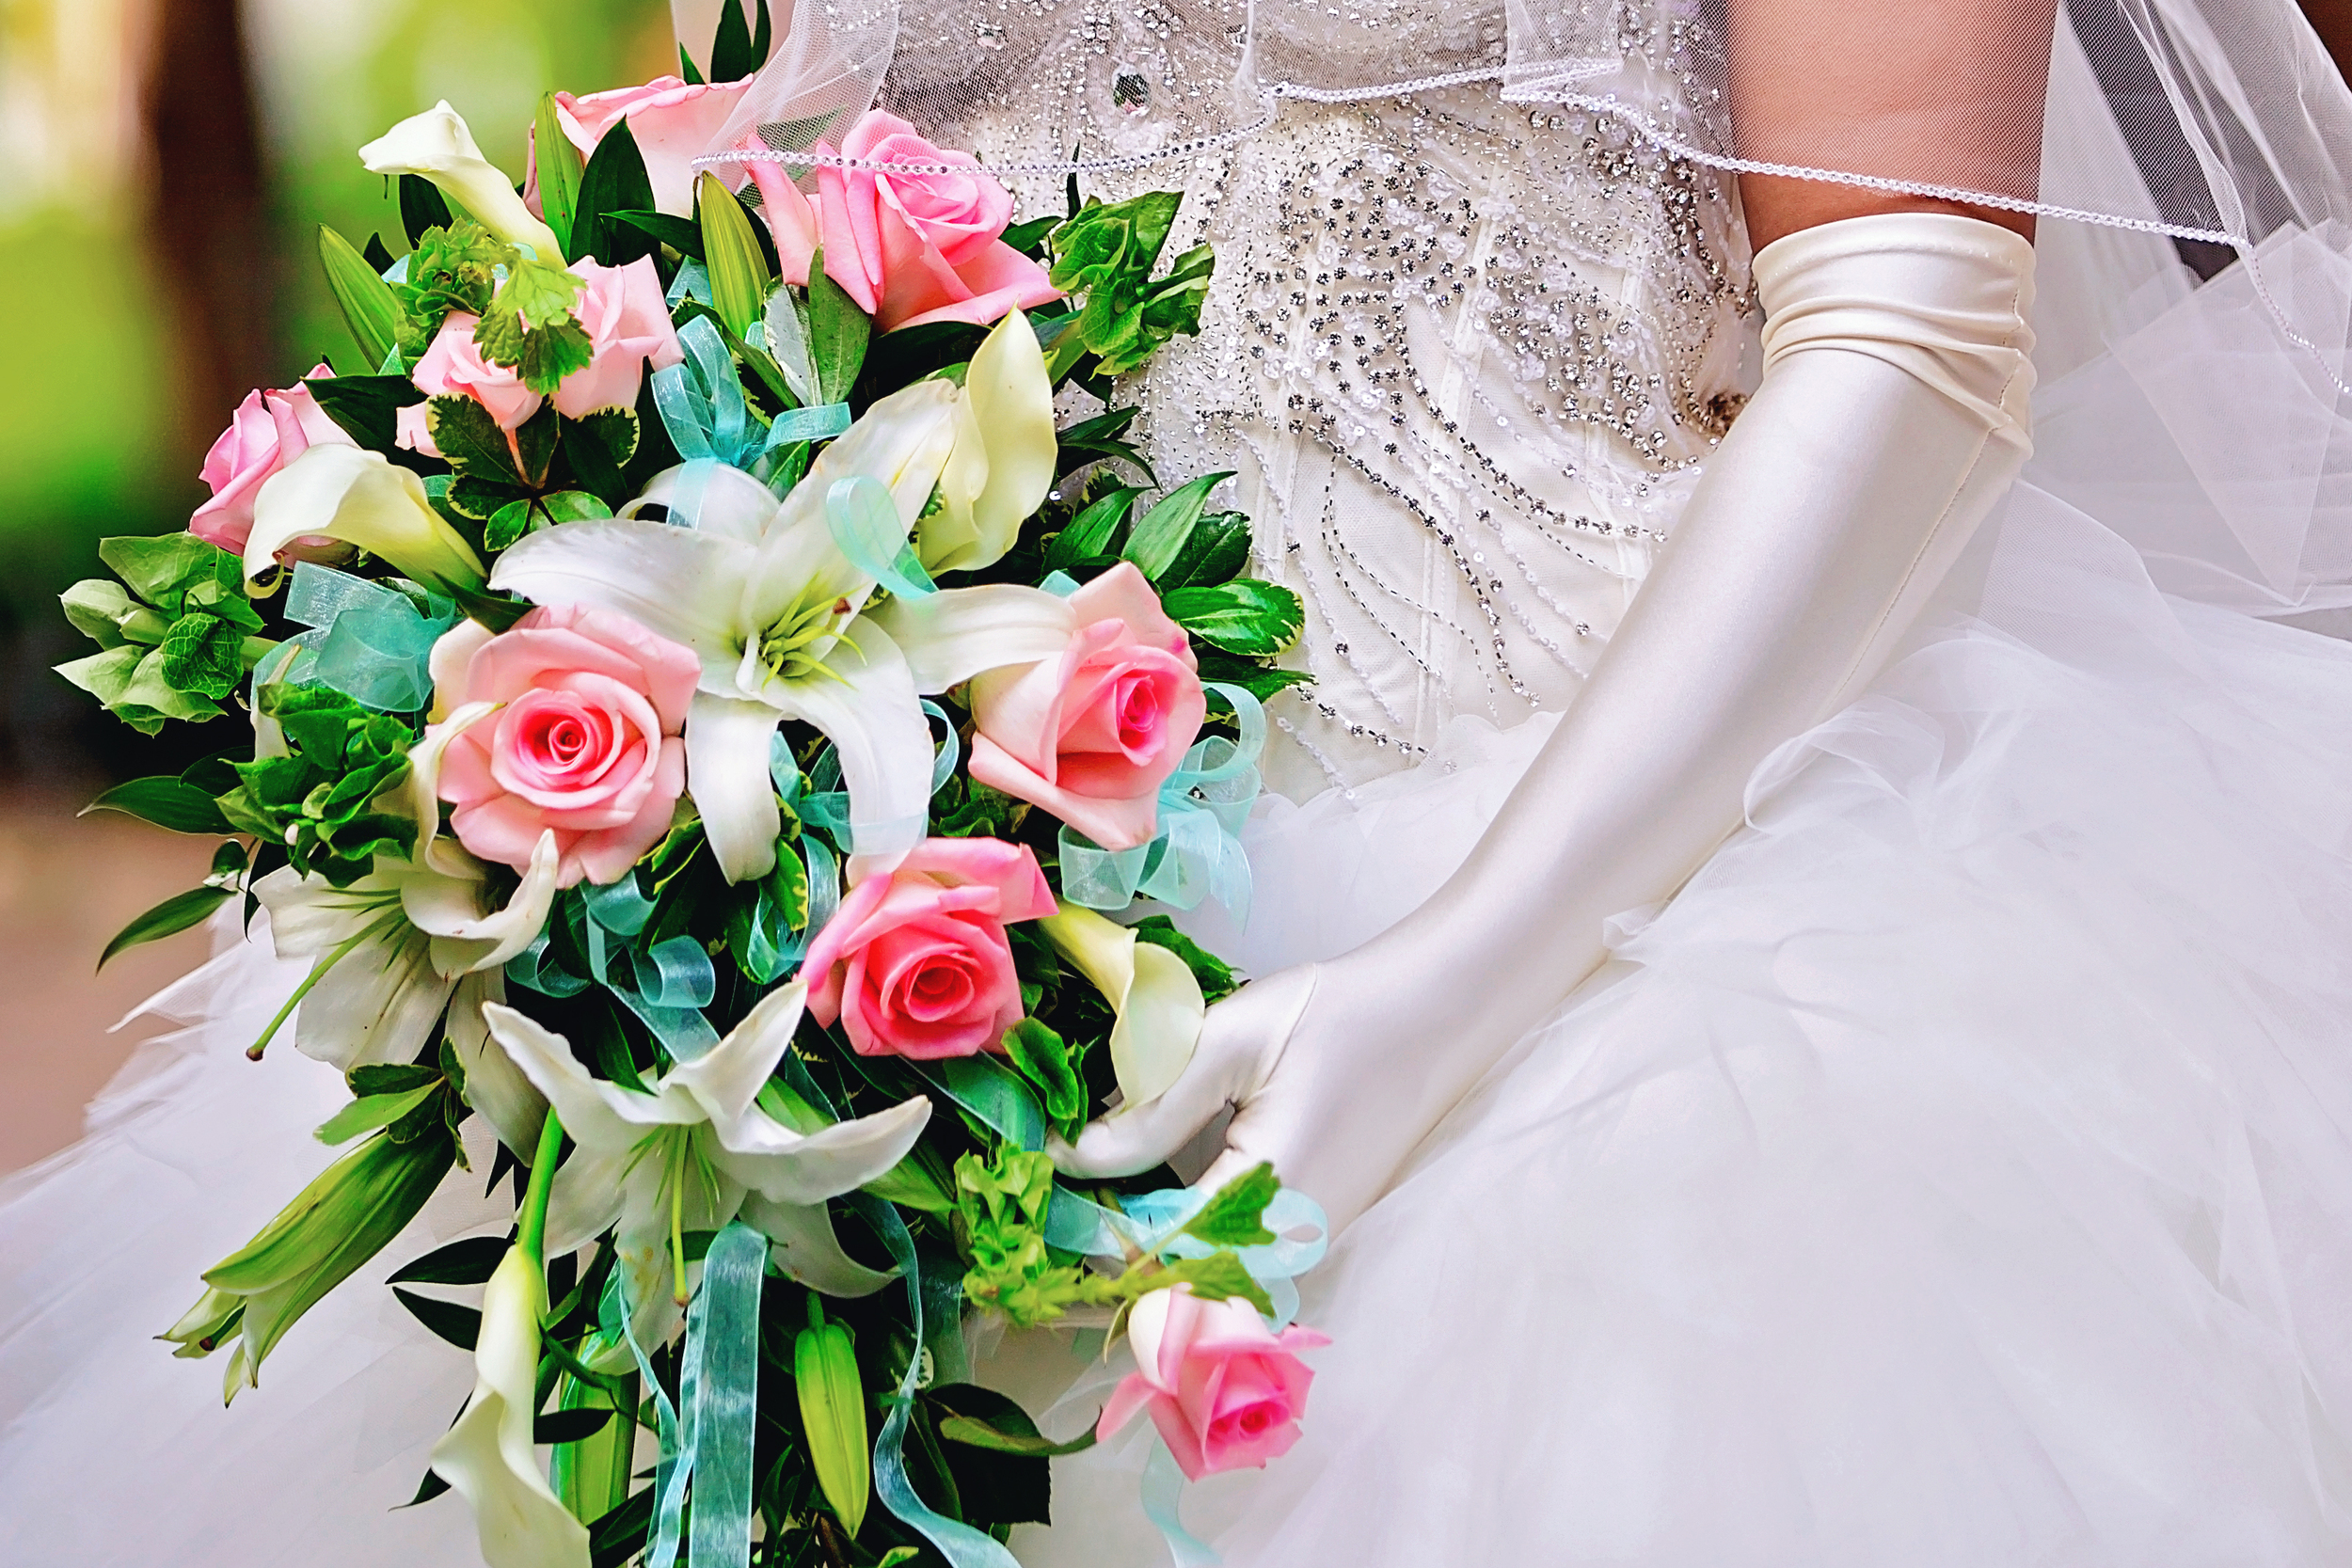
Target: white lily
[(355, 495), (1005, 453), (1150, 990), (390, 950), (762, 593), (438, 144), (687, 1154)]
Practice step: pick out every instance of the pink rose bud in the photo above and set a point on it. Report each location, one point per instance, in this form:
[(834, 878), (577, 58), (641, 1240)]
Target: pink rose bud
[(916, 246), (628, 325), (585, 740), (452, 366), (1092, 735), (916, 963), (270, 430), (1225, 1391)]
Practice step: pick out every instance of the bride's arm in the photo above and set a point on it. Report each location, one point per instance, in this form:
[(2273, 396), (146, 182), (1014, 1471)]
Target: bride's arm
[(1890, 418)]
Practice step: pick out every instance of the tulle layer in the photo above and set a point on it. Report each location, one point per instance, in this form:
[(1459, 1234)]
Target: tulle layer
[(1958, 1171)]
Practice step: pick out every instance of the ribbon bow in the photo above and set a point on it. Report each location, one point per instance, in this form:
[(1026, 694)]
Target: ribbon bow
[(703, 408), (370, 643), (1197, 853)]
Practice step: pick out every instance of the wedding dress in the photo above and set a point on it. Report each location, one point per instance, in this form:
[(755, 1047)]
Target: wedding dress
[(1957, 1169)]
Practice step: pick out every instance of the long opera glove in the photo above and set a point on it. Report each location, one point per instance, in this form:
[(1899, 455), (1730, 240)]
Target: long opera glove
[(1891, 417)]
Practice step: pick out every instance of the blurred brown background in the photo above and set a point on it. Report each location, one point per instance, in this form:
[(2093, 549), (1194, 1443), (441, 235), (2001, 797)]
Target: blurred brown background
[(162, 166)]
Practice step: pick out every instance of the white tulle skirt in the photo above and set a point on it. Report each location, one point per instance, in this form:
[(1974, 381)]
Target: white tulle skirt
[(1958, 1171)]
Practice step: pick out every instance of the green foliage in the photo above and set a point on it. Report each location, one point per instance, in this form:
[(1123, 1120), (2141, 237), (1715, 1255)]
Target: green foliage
[(452, 268), (1261, 681), (367, 407), (1039, 1055), (1156, 543), (1215, 975), (560, 169), (165, 801), (319, 800), (1104, 254), (736, 52), (1097, 440), (1244, 616), (1094, 533), (614, 181), (532, 326), (1000, 1208), (421, 207), (174, 643), (1236, 1216), (371, 309), (838, 333), (169, 918), (739, 278), (1214, 1279)]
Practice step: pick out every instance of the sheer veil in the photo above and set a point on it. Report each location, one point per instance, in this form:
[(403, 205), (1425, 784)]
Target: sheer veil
[(2192, 152)]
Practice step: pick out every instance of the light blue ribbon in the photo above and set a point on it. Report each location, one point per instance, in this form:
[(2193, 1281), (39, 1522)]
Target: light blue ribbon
[(666, 985), (1198, 852), (708, 1439), (1163, 1492), (863, 518), (1148, 1223), (960, 1544), (370, 643), (703, 408)]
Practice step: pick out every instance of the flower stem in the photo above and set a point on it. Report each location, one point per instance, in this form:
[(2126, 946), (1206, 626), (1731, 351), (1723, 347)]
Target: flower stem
[(531, 1227), (253, 1051)]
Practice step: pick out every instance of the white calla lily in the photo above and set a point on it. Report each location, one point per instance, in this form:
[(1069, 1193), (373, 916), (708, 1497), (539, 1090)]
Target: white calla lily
[(355, 495), (1006, 450), (764, 595), (1151, 991), (686, 1154), (487, 1457), (389, 950), (438, 144)]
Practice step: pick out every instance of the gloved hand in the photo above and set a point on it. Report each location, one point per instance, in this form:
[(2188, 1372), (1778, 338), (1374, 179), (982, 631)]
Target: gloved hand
[(1891, 417)]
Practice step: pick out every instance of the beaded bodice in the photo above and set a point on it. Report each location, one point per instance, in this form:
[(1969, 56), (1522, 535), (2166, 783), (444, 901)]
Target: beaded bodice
[(1465, 360)]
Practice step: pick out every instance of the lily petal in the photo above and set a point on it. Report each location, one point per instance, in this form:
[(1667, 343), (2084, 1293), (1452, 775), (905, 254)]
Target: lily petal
[(438, 144), (353, 495), (487, 1457), (597, 1113), (448, 909), (865, 704), (734, 505), (807, 1248), (727, 742), (953, 635), (726, 1077), (494, 1084), (421, 793), (783, 1166), (683, 583)]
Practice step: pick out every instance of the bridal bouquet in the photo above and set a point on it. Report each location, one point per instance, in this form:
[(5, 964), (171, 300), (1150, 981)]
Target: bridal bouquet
[(706, 705)]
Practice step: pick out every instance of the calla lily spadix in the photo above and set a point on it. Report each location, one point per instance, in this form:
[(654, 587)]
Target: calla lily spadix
[(355, 495), (764, 595), (438, 144), (688, 1155)]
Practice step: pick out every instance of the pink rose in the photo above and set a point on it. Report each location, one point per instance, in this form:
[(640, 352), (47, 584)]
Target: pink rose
[(909, 248), (452, 366), (673, 123), (1091, 736), (269, 430), (916, 963), (585, 740), (628, 322), (628, 327), (1225, 1391)]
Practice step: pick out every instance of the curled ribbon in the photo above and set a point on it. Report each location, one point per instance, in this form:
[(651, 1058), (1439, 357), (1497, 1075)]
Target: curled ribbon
[(1198, 852), (666, 985), (370, 643), (866, 529), (703, 408)]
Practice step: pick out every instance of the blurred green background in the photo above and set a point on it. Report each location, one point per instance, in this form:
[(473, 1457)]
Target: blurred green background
[(164, 165)]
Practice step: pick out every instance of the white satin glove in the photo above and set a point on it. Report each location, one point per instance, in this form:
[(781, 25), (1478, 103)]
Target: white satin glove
[(1891, 417)]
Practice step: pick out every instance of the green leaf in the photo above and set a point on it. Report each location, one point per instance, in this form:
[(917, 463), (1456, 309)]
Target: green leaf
[(534, 444), (1096, 440), (559, 168), (467, 1261), (452, 268), (533, 328), (460, 1325), (163, 568), (832, 1415), (169, 918), (738, 271), (103, 610), (980, 1435), (421, 207), (506, 525), (1244, 616), (799, 135), (470, 439), (369, 307), (1161, 536), (838, 333), (1092, 533), (680, 234), (482, 498), (1214, 1279), (1029, 238), (600, 445), (203, 653), (1217, 551), (318, 800), (1236, 1216), (1214, 975), (375, 255), (570, 1426), (614, 181), (1260, 680), (165, 801), (366, 406), (688, 70), (1039, 1055), (574, 506), (731, 49), (371, 1112)]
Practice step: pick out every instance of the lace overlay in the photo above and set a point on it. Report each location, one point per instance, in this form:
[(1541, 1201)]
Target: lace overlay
[(1465, 361)]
